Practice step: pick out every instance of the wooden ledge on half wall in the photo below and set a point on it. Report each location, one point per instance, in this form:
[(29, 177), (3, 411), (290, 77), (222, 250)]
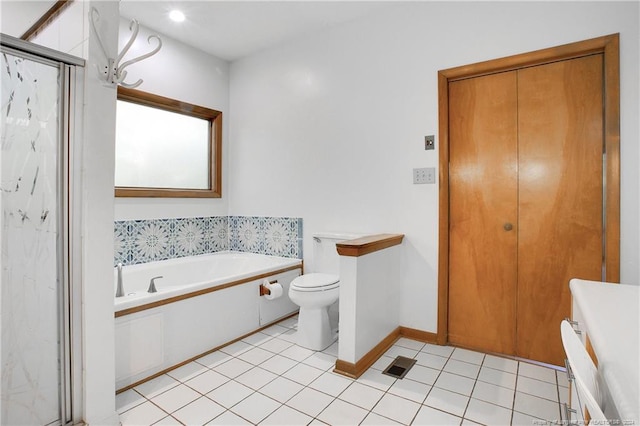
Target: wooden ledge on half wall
[(369, 244)]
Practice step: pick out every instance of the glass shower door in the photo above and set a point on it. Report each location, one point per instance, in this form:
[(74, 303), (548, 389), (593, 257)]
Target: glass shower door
[(33, 316)]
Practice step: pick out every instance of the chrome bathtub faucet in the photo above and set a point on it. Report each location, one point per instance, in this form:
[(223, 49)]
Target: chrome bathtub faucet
[(152, 284), (120, 288)]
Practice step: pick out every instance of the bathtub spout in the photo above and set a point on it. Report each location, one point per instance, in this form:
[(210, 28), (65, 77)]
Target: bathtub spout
[(152, 284), (120, 289)]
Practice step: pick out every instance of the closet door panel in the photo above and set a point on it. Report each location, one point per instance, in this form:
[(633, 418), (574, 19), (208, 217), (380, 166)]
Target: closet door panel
[(560, 196), (483, 199)]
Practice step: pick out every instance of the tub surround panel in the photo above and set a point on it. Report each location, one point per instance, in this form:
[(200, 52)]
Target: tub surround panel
[(149, 240), (213, 320), (207, 327), (140, 338)]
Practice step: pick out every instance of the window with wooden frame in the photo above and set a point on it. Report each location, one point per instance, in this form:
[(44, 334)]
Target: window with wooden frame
[(166, 148)]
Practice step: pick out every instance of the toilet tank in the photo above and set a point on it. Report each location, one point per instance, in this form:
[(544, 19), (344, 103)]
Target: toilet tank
[(325, 256)]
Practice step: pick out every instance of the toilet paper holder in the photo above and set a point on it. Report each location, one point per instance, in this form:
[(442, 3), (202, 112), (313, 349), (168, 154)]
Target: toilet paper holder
[(264, 290)]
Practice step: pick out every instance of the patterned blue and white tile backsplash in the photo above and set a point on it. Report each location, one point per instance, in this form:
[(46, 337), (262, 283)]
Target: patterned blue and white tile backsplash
[(276, 236), (142, 241)]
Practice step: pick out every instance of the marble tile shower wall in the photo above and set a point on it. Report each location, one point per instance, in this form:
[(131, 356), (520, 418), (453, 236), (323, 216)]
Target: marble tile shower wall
[(142, 241)]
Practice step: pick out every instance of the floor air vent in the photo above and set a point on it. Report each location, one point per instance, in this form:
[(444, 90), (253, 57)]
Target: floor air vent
[(399, 367)]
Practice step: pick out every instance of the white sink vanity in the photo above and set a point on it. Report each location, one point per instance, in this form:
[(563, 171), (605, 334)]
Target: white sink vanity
[(608, 320)]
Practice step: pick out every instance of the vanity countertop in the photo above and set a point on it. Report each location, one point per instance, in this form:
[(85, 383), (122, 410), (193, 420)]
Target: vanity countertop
[(612, 318)]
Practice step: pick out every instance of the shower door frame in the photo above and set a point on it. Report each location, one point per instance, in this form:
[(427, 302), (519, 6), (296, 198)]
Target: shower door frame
[(71, 77)]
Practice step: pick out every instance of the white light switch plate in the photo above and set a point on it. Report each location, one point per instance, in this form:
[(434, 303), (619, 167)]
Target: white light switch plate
[(424, 175)]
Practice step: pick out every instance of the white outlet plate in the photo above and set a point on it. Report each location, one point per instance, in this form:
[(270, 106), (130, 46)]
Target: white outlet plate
[(424, 175)]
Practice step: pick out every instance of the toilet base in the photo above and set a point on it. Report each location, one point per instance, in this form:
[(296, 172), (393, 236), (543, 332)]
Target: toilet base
[(314, 329)]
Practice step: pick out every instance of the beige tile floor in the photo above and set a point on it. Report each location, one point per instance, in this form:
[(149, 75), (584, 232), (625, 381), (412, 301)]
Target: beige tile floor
[(267, 379)]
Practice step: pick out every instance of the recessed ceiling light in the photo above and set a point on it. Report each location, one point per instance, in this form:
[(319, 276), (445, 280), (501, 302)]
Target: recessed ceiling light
[(176, 16)]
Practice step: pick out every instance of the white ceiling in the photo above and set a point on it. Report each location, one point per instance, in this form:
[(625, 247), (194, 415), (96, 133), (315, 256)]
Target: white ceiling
[(233, 29), (227, 29)]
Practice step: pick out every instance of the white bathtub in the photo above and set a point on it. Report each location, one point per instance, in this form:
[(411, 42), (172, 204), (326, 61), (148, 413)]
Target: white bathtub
[(202, 302), (193, 274)]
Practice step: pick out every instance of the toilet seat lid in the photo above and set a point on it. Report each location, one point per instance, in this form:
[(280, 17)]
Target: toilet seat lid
[(315, 281)]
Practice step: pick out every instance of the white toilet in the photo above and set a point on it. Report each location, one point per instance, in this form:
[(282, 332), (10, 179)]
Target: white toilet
[(317, 292)]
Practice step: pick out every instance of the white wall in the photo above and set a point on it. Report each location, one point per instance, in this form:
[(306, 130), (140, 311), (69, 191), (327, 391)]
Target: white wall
[(187, 74), (92, 175), (328, 128), (98, 153), (67, 32)]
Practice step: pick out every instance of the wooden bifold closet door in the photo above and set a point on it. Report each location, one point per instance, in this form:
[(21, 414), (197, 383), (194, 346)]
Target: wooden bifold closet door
[(525, 203)]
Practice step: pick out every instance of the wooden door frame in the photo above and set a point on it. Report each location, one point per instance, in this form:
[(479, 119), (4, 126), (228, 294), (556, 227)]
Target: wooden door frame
[(606, 45)]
